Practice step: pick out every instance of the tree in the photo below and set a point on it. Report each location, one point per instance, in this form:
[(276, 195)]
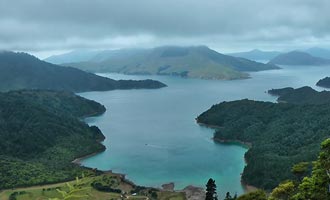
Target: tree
[(283, 192), (211, 188), (228, 196), (300, 170), (318, 184)]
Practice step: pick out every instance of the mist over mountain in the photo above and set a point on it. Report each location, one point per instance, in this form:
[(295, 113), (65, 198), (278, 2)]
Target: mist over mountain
[(319, 52), (298, 58), (73, 56), (256, 54), (193, 62)]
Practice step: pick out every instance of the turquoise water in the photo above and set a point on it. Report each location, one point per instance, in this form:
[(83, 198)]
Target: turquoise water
[(152, 136)]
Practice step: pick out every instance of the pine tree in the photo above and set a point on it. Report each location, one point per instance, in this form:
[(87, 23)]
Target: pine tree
[(228, 196), (211, 188)]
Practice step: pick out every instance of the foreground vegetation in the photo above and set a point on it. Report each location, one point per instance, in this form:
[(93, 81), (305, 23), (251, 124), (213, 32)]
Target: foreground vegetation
[(281, 135), (313, 186), (41, 134), (102, 187)]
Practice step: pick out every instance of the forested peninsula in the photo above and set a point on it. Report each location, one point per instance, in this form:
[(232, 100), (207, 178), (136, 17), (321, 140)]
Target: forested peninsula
[(41, 133), (280, 134)]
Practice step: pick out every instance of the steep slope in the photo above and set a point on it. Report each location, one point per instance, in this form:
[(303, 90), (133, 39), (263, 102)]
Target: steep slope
[(23, 71), (298, 58), (194, 62), (41, 134), (256, 54)]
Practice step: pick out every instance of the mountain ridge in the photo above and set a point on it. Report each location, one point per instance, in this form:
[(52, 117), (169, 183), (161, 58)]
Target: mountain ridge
[(24, 71)]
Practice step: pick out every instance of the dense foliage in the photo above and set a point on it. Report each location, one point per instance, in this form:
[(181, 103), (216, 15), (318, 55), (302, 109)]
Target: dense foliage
[(255, 195), (303, 95), (23, 71), (313, 187), (41, 133), (281, 135)]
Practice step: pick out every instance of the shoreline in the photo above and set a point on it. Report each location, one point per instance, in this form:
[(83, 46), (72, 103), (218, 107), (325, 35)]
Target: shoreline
[(208, 126), (246, 145), (247, 188), (190, 191), (78, 160)]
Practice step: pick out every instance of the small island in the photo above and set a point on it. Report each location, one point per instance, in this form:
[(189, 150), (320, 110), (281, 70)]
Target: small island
[(325, 82)]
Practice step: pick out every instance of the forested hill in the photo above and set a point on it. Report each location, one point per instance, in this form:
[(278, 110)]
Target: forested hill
[(303, 95), (23, 71), (281, 135), (39, 137)]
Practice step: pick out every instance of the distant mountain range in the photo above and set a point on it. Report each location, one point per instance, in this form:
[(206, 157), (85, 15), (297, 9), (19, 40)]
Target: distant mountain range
[(319, 52), (23, 71), (260, 55), (73, 56), (192, 62), (298, 58), (257, 54)]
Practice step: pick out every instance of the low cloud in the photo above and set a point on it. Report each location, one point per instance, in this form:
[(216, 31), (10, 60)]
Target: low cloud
[(47, 25)]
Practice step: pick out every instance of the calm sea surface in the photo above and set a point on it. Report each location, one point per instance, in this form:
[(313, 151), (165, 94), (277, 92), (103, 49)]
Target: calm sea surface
[(152, 136)]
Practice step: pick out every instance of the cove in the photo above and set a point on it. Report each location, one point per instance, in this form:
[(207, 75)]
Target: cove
[(152, 136)]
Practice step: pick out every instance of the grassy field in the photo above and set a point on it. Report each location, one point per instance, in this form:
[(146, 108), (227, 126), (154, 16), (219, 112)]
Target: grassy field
[(109, 180)]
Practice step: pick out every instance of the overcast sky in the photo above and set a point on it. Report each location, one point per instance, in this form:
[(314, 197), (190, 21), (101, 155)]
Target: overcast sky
[(44, 27)]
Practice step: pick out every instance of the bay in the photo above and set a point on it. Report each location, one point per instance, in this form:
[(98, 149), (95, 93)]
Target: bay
[(152, 136)]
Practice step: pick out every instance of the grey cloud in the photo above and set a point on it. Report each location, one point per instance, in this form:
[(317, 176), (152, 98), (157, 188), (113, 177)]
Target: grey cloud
[(68, 24)]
